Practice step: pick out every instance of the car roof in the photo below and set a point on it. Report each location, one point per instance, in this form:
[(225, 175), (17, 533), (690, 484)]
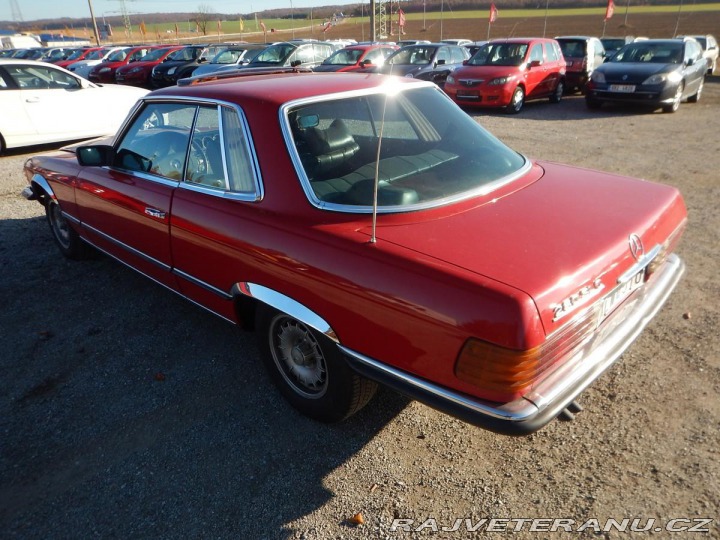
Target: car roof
[(279, 88)]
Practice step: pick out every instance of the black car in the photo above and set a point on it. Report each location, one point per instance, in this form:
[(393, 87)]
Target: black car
[(429, 62), (181, 64), (658, 73)]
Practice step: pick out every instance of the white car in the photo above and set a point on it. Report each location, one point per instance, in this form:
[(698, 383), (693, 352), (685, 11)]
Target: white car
[(43, 103), (83, 67), (710, 50)]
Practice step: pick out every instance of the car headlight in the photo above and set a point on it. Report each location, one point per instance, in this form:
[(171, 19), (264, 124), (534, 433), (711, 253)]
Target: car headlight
[(660, 78), (172, 71), (450, 79), (135, 70), (597, 77), (501, 80), (104, 70)]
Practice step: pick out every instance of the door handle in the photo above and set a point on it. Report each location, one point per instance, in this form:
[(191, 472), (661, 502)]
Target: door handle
[(154, 212), (33, 99)]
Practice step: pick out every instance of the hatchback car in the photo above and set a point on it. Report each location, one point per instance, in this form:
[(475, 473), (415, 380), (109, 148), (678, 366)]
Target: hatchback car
[(369, 230), (582, 56), (181, 63), (77, 55), (104, 72), (657, 73), (427, 62), (83, 67), (139, 73), (304, 53), (354, 57), (230, 57), (42, 103), (506, 73)]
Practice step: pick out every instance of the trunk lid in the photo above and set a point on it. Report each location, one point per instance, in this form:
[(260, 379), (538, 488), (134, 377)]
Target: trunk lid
[(566, 233)]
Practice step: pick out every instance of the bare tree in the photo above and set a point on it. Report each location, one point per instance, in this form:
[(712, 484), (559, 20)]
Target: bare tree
[(202, 17)]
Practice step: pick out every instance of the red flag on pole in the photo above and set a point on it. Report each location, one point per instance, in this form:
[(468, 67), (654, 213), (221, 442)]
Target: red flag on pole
[(610, 9), (401, 18), (494, 12), (327, 26)]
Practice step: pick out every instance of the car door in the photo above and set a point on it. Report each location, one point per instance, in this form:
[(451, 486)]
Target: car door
[(695, 67), (125, 208), (215, 211), (52, 100), (536, 84), (16, 127)]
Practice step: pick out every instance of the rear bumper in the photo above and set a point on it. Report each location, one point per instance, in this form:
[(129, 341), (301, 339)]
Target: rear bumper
[(553, 394)]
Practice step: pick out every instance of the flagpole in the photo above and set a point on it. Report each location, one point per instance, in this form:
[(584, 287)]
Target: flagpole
[(677, 23), (546, 15)]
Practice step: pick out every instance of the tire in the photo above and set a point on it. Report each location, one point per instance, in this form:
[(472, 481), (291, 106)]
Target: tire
[(675, 105), (2, 144), (592, 104), (67, 239), (517, 101), (309, 369), (696, 96), (556, 96)]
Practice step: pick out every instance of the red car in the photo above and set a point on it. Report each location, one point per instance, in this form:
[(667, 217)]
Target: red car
[(105, 71), (371, 231), (78, 55), (354, 57), (138, 73), (507, 73)]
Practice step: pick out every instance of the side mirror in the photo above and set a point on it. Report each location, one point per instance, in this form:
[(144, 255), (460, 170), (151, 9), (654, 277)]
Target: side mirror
[(366, 63), (690, 61), (440, 62), (535, 63), (465, 62), (295, 63), (98, 155)]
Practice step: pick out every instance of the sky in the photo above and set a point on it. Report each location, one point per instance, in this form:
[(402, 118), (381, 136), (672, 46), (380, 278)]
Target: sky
[(32, 10)]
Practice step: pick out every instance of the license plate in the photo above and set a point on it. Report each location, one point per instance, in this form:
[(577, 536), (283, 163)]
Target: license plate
[(620, 293), (467, 95), (625, 88)]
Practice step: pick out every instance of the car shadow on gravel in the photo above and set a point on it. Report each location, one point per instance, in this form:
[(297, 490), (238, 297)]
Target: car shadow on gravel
[(129, 412)]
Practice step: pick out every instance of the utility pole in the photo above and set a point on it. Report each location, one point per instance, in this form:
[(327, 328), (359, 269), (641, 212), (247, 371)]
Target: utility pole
[(94, 22), (373, 33)]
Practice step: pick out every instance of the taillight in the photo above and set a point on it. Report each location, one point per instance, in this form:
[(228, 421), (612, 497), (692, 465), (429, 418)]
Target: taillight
[(502, 374)]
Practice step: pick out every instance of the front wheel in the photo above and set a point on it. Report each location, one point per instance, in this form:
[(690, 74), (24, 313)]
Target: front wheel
[(67, 239), (675, 105), (696, 96), (517, 101), (308, 368)]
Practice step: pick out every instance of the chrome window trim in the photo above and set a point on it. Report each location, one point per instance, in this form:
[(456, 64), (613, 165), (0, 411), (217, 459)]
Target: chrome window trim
[(350, 209), (258, 183), (202, 284)]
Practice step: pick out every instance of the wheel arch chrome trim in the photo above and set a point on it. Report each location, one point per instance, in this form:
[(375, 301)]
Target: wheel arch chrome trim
[(44, 185), (287, 305)]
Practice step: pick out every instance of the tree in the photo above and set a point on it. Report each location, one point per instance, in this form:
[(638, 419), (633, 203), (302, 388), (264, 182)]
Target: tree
[(202, 17)]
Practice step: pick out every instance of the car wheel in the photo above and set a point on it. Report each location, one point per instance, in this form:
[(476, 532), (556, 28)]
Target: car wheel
[(696, 96), (2, 144), (675, 105), (69, 242), (309, 369), (517, 101), (558, 94), (593, 104)]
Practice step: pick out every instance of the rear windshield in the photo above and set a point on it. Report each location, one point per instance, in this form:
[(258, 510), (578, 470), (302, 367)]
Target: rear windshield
[(573, 48), (431, 152)]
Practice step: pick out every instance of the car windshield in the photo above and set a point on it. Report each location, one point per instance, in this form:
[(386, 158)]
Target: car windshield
[(573, 48), (275, 54), (499, 54), (228, 56), (184, 55), (96, 55), (117, 56), (417, 55), (431, 152), (343, 57), (76, 54), (666, 52), (155, 54)]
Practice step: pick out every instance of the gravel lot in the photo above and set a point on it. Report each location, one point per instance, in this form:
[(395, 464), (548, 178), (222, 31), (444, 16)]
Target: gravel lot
[(127, 412)]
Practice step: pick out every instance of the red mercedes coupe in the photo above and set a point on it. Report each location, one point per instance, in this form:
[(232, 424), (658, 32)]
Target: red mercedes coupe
[(370, 231)]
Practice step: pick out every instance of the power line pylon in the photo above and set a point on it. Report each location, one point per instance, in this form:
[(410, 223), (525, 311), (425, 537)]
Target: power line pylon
[(15, 10)]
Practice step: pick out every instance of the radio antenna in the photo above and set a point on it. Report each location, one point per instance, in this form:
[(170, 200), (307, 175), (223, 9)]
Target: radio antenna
[(373, 237)]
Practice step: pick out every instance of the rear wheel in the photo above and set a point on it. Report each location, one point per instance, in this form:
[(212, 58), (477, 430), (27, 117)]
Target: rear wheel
[(675, 105), (696, 96), (517, 101), (308, 368), (69, 242), (556, 96)]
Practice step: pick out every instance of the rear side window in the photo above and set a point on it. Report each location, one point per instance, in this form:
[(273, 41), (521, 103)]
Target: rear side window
[(551, 51)]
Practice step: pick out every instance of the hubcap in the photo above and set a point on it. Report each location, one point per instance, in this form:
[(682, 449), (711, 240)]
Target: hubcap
[(59, 225), (298, 357)]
